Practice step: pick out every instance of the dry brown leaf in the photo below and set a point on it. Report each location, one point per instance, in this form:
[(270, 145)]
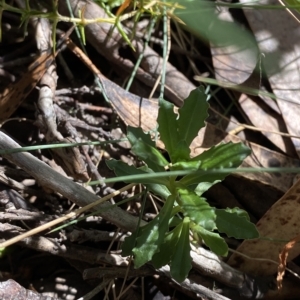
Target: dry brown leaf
[(16, 92), (263, 116), (278, 225), (232, 64), (283, 255), (277, 35)]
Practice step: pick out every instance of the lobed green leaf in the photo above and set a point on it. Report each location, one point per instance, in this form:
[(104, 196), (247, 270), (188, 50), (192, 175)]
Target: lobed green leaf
[(212, 240), (186, 165), (122, 169), (134, 133), (181, 261), (235, 223), (229, 155), (181, 152), (163, 257), (168, 127), (192, 115), (144, 148), (150, 237), (197, 209)]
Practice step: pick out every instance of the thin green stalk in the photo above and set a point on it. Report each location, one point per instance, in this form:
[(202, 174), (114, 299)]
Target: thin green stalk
[(165, 52), (59, 145), (133, 178), (139, 60)]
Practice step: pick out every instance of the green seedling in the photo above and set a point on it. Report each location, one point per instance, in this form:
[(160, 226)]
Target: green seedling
[(186, 213)]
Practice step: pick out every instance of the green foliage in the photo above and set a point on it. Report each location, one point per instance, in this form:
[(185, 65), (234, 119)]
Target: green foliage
[(110, 3), (197, 209), (212, 239), (192, 116), (228, 155), (144, 148), (166, 239), (168, 127), (235, 223), (54, 16), (150, 237)]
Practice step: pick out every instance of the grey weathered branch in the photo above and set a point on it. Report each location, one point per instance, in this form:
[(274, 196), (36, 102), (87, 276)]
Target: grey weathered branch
[(51, 179)]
